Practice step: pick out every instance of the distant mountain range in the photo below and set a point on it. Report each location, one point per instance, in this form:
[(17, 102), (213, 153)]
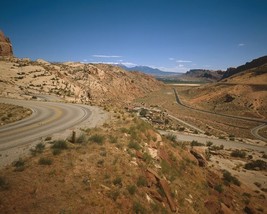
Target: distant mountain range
[(150, 71)]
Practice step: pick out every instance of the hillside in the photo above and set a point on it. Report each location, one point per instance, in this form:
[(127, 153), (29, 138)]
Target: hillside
[(244, 93), (249, 65), (76, 82)]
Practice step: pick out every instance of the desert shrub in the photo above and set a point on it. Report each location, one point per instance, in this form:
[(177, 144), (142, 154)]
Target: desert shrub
[(45, 161), (59, 144), (143, 112), (131, 189), (134, 145), (171, 137), (19, 165), (196, 143), (238, 153), (256, 164), (181, 129), (117, 181), (81, 139), (147, 158), (214, 147), (138, 208), (114, 194), (141, 181), (4, 185), (39, 148), (113, 139), (264, 156), (98, 139), (209, 143), (219, 188), (228, 178), (48, 138)]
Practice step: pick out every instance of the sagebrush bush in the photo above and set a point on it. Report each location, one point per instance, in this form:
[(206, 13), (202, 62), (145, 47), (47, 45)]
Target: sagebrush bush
[(98, 139)]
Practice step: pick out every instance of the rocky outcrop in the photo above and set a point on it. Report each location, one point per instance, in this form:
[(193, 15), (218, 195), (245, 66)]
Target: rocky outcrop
[(5, 46), (249, 65)]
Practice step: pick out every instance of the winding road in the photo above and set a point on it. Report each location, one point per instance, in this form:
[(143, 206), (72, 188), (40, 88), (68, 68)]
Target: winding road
[(47, 118), (254, 131)]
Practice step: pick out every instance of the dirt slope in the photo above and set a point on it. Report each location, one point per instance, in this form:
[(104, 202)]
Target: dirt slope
[(77, 82), (242, 94)]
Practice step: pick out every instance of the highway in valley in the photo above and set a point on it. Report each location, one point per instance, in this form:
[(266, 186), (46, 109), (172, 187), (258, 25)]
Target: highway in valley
[(254, 131), (46, 118)]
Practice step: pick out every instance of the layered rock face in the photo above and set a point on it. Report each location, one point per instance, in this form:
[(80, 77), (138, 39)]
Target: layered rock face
[(5, 46)]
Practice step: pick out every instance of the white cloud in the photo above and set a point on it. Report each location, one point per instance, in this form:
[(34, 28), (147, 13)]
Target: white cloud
[(183, 61), (241, 44), (105, 56), (171, 58), (180, 65), (128, 64)]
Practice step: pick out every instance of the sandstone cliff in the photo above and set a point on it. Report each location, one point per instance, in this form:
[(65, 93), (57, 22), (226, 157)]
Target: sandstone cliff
[(5, 46)]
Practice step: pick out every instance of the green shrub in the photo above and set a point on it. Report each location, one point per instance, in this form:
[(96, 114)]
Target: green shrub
[(113, 139), (134, 145), (114, 194), (219, 188), (143, 112), (209, 143), (141, 181), (98, 139), (45, 161), (19, 164), (4, 185), (171, 137), (56, 151), (228, 178), (196, 143), (138, 208), (60, 144), (117, 181), (238, 153), (81, 139), (256, 164), (131, 189)]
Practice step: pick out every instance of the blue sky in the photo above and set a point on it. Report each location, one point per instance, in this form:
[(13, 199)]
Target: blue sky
[(173, 35)]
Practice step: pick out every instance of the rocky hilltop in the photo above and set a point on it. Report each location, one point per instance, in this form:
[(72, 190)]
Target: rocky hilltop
[(249, 65), (74, 82), (5, 46)]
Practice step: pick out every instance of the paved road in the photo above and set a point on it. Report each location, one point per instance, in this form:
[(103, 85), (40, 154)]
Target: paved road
[(181, 137), (254, 131), (47, 118)]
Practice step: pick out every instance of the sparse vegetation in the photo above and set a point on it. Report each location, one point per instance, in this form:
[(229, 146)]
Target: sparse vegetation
[(98, 139), (45, 161), (171, 137), (141, 181), (256, 164), (4, 185), (196, 143), (39, 148), (134, 145), (228, 178), (19, 165), (138, 208), (238, 153), (131, 189)]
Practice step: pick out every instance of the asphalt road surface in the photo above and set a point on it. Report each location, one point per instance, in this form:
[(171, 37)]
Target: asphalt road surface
[(47, 118)]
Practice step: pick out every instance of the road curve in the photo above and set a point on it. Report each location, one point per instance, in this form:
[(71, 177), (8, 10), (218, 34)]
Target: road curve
[(254, 131), (47, 118)]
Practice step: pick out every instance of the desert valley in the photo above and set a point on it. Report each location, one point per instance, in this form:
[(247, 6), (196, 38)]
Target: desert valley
[(95, 138)]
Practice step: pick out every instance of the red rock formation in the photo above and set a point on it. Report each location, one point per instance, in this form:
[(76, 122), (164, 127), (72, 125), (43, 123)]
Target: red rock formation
[(5, 46)]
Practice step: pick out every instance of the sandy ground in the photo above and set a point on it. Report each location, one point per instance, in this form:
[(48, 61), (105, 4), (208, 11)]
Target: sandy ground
[(98, 118)]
